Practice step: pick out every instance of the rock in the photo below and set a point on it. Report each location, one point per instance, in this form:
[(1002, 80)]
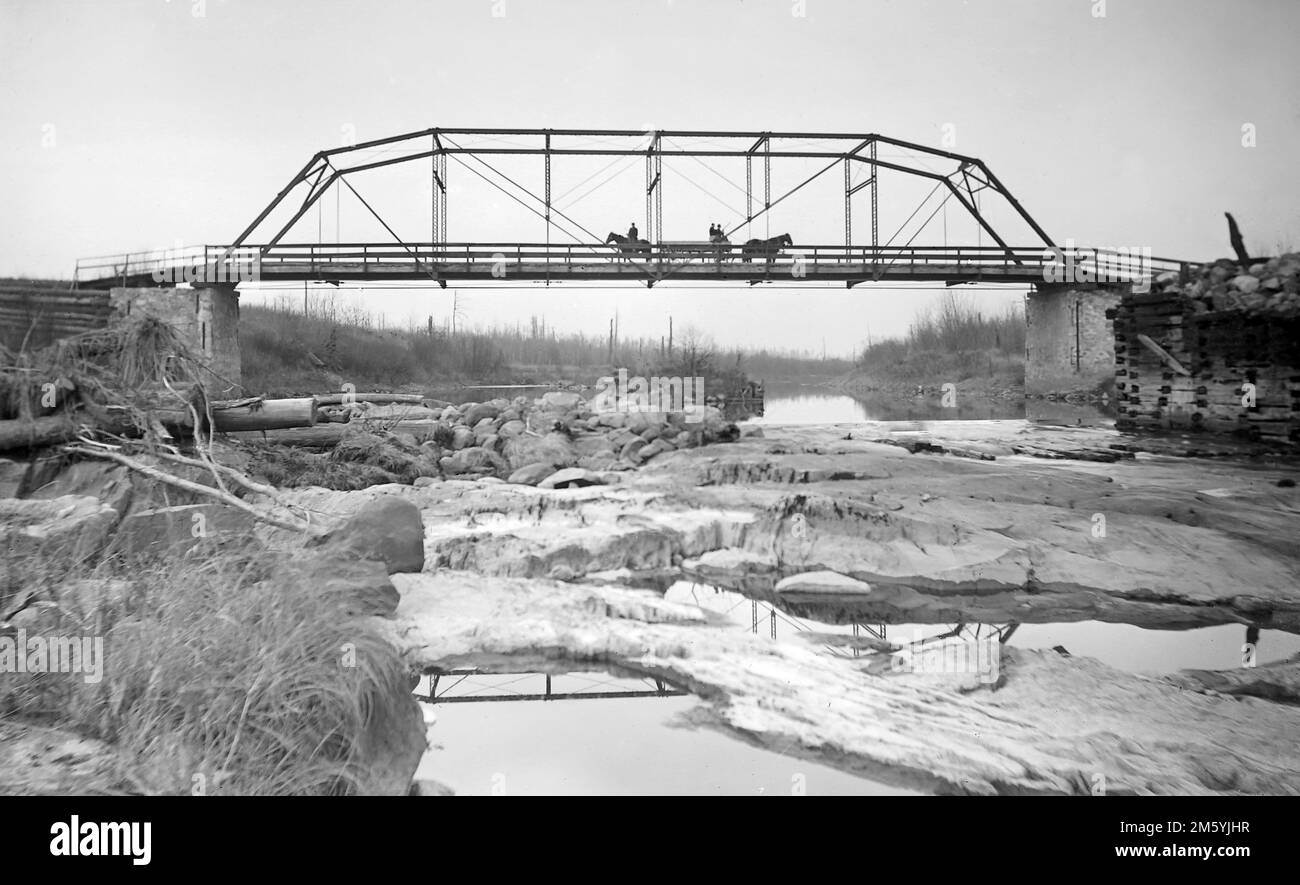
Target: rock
[(11, 477), (387, 529), (475, 459), (561, 401), (631, 451), (822, 582), (424, 481), (1245, 283), (451, 415), (652, 433), (570, 477), (361, 586), (532, 474), (751, 431), (485, 425), (479, 411), (51, 535), (655, 447), (45, 760), (170, 530), (112, 484), (609, 419), (599, 461), (1275, 682), (592, 445), (512, 428), (462, 437)]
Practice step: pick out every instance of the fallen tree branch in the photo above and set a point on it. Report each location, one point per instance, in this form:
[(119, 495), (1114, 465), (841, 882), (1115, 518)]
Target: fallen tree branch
[(302, 526)]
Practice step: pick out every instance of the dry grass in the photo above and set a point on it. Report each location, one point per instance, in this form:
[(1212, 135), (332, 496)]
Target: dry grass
[(119, 367), (210, 671)]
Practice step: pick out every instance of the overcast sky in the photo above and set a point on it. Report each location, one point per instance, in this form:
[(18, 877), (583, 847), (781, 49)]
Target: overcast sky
[(135, 125)]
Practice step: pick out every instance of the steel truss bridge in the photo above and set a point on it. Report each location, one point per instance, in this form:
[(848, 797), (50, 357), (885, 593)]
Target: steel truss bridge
[(582, 256)]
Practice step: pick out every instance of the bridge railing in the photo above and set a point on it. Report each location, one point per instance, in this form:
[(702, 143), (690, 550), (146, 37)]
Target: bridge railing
[(211, 263)]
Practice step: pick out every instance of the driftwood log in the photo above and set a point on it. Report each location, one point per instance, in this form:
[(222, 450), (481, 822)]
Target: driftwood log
[(336, 399), (271, 414)]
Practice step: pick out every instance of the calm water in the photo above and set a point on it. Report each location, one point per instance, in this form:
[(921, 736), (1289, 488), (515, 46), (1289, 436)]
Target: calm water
[(606, 746)]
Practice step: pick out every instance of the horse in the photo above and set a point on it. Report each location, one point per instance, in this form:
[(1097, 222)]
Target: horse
[(627, 246), (765, 249)]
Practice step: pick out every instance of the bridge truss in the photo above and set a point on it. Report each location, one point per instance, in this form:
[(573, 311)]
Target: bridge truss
[(570, 250)]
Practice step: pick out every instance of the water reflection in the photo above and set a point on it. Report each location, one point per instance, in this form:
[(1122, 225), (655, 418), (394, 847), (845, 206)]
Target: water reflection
[(637, 741), (477, 686), (1126, 647)]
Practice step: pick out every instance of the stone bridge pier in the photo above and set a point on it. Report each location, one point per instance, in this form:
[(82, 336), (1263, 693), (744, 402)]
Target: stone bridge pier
[(207, 319), (1069, 342)]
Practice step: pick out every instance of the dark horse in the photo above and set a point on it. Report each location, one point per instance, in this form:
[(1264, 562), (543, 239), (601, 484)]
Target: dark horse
[(766, 249), (627, 246)]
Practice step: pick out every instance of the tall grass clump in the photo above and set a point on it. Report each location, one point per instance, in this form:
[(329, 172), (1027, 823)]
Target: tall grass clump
[(953, 339), (212, 672)]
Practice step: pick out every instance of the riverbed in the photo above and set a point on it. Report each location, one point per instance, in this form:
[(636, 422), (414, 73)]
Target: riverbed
[(673, 573)]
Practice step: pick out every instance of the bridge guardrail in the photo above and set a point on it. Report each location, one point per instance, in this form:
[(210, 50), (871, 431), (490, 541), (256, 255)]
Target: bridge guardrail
[(211, 263)]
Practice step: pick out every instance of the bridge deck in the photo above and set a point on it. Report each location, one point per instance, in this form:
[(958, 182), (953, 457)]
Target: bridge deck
[(445, 263)]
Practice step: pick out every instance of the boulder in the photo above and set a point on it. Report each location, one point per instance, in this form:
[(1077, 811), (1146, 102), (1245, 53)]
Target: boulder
[(570, 477), (532, 474), (512, 428), (593, 444), (479, 411), (362, 586), (652, 448), (599, 461), (176, 529), (462, 437), (631, 450), (387, 530), (475, 459), (1245, 283), (560, 401)]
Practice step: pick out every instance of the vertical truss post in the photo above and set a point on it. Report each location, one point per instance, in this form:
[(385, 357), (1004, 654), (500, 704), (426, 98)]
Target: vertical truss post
[(848, 207), (753, 605), (548, 208), (749, 194), (875, 218), (767, 185), (433, 190), (773, 623), (649, 194)]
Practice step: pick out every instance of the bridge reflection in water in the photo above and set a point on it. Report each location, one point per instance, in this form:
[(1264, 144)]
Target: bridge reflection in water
[(467, 686)]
